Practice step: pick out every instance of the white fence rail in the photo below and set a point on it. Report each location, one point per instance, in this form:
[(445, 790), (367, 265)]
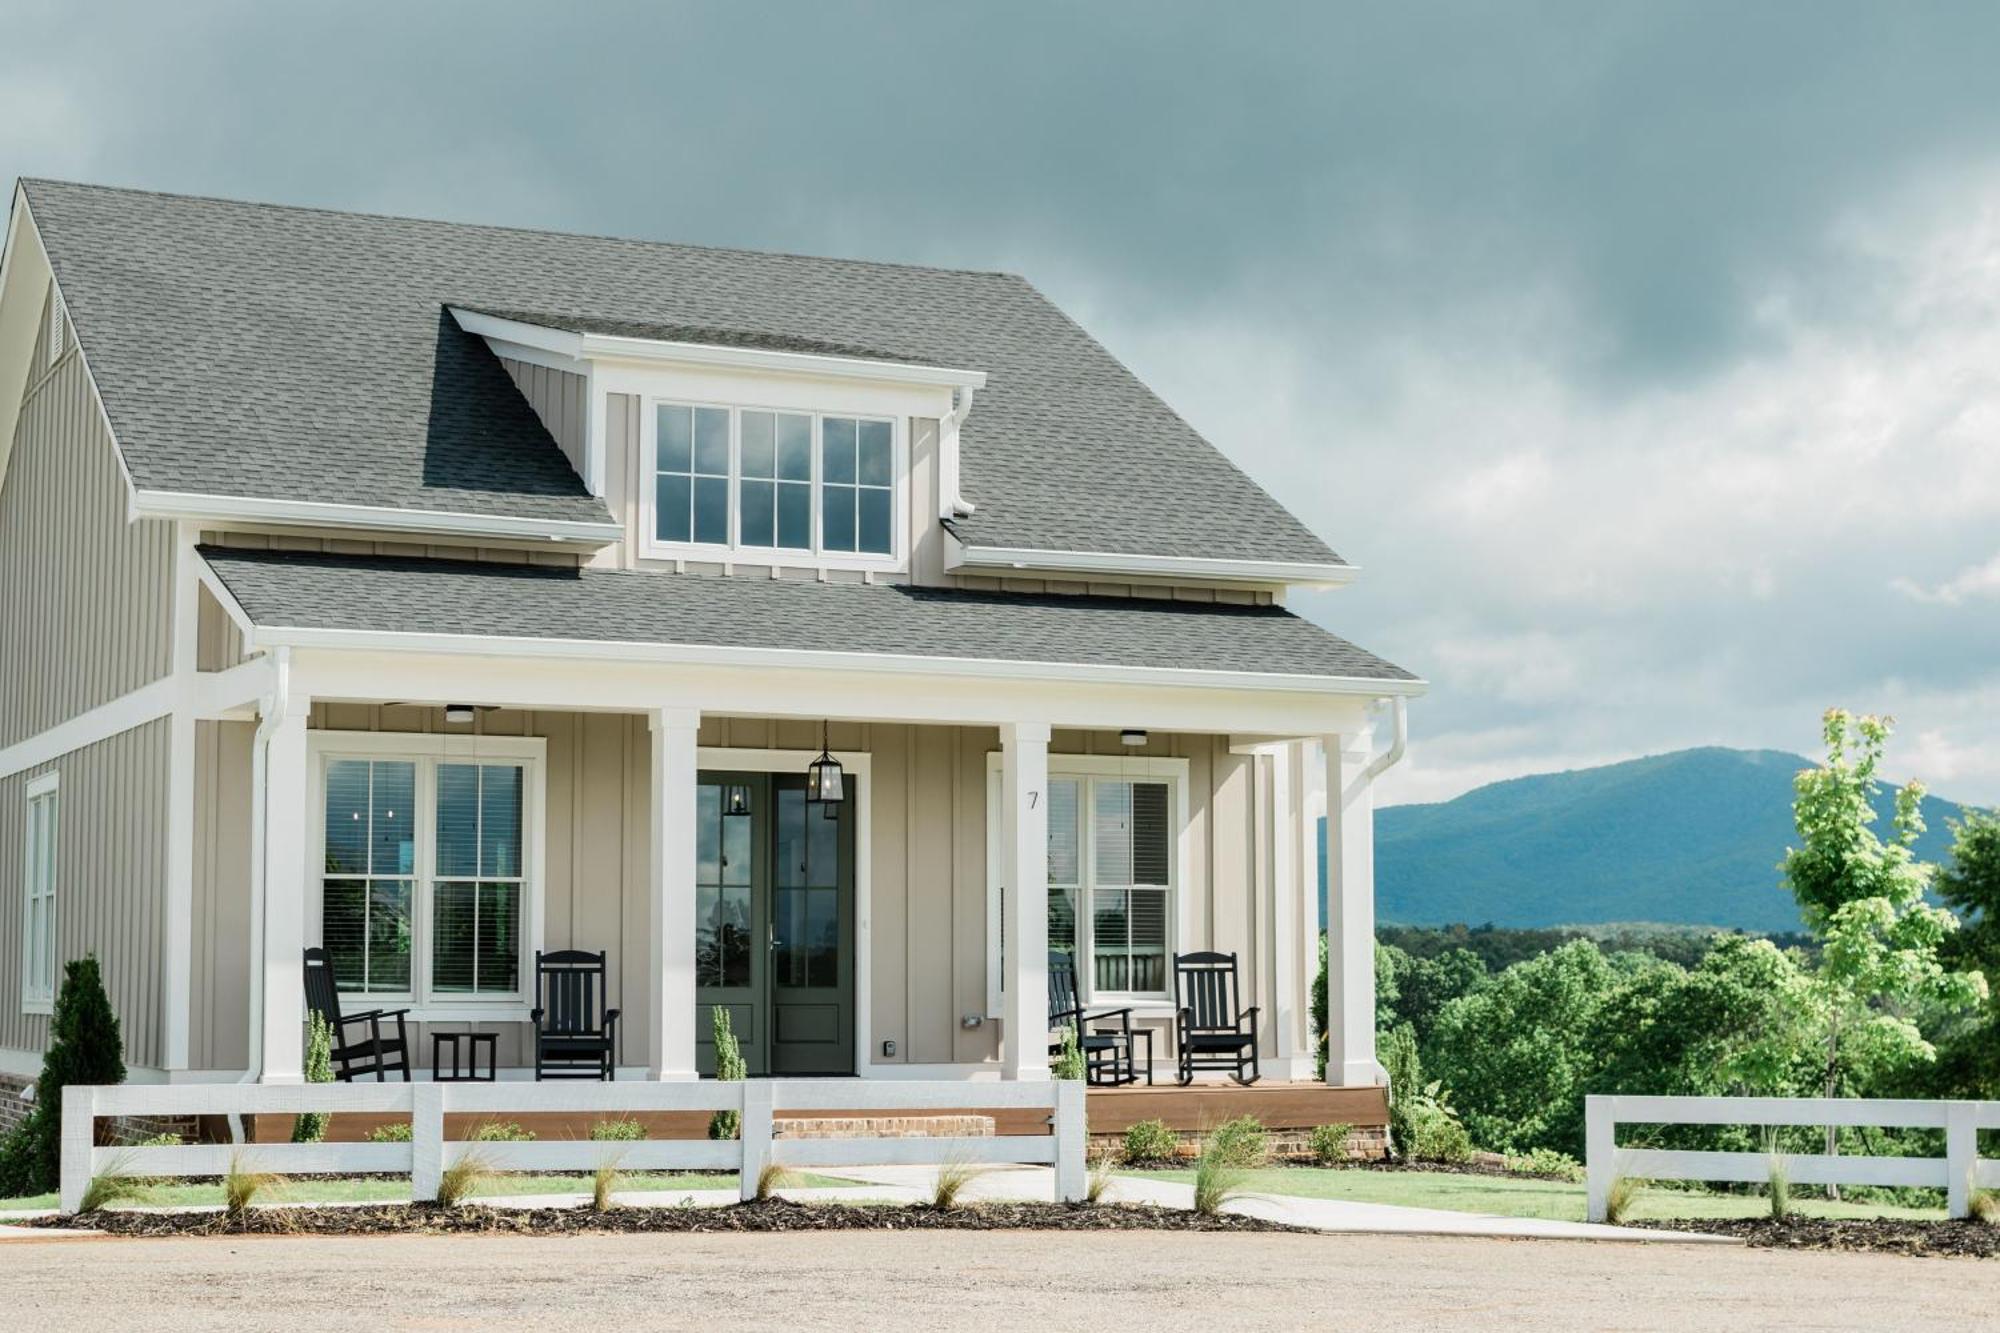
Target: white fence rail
[(1958, 1172), (428, 1153)]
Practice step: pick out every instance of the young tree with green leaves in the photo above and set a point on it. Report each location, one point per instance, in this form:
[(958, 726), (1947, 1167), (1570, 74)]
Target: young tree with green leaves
[(1970, 884), (1863, 897)]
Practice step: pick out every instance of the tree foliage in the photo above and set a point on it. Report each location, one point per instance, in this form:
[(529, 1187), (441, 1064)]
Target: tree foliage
[(85, 1048)]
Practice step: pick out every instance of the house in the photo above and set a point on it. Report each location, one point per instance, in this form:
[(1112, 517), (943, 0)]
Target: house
[(438, 594)]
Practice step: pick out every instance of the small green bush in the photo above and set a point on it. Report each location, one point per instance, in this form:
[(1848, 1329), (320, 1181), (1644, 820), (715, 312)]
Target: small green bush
[(1149, 1142), (1328, 1143), (1068, 1063), (1241, 1142), (1546, 1162), (161, 1141), (502, 1131), (729, 1068), (311, 1126), (1436, 1134), (617, 1131), (397, 1132)]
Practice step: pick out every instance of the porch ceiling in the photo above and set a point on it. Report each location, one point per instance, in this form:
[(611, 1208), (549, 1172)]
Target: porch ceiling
[(375, 598)]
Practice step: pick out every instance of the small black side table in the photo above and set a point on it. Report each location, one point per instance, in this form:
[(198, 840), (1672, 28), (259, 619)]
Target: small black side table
[(1145, 1035), (465, 1050)]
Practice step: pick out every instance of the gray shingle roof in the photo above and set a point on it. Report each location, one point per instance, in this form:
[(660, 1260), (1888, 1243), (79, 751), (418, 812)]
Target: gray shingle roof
[(299, 354), (294, 590)]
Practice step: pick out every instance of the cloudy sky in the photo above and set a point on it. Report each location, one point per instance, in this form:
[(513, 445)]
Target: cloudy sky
[(1647, 358)]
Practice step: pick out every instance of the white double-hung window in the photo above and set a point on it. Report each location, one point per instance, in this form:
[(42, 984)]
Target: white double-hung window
[(1114, 872), (430, 868), (729, 482), (40, 961)]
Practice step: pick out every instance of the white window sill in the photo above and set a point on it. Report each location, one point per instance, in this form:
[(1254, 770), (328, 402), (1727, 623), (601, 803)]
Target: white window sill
[(497, 1011), (38, 1008)]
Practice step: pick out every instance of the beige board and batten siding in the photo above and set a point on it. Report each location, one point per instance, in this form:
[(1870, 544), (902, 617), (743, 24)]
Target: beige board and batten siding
[(87, 614), (219, 1010), (111, 853), (561, 400)]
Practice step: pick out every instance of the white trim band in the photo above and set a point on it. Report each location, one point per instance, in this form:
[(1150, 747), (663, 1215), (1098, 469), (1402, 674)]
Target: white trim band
[(1008, 559), (195, 508)]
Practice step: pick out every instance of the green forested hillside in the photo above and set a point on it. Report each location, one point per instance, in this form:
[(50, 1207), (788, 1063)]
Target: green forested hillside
[(1693, 837)]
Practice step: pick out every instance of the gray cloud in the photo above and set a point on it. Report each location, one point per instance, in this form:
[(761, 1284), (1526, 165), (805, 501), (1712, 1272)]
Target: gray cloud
[(1612, 340)]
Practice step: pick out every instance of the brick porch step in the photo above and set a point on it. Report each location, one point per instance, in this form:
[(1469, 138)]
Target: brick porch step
[(884, 1127)]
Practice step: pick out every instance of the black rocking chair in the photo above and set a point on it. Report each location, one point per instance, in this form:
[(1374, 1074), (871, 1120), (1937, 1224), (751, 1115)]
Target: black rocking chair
[(575, 1035), (374, 1054), (1214, 1033), (1107, 1052)]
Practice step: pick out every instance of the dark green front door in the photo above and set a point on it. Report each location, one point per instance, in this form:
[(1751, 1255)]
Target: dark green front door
[(774, 923)]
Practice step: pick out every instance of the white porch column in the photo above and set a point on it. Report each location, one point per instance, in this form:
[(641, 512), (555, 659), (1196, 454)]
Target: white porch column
[(670, 997), (1286, 813), (287, 825), (1350, 913), (1024, 876)]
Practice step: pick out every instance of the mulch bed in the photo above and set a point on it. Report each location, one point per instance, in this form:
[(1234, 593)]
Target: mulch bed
[(1964, 1239), (770, 1215)]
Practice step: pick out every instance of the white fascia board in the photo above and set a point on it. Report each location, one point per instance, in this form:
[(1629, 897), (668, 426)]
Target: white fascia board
[(274, 636), (304, 513), (576, 348), (1006, 559)]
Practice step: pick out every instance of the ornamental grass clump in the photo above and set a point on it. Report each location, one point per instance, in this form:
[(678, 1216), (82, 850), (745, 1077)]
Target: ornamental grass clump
[(1619, 1199), (110, 1186), (1227, 1156), (952, 1178), (729, 1068), (1099, 1182), (1984, 1206), (243, 1186), (458, 1181), (772, 1178), (603, 1183)]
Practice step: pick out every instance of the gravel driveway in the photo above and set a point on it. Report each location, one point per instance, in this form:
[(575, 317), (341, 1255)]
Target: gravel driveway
[(968, 1280)]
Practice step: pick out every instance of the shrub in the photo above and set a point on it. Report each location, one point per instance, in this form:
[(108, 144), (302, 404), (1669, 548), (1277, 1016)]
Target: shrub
[(311, 1126), (1328, 1143), (1435, 1132), (1150, 1141), (1068, 1063), (396, 1132), (1545, 1162), (1240, 1142), (502, 1131), (617, 1131), (1397, 1050), (729, 1068), (84, 1048)]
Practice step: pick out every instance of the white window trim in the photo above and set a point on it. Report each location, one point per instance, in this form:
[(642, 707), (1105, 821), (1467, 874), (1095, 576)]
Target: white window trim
[(36, 1000), (1138, 768), (426, 750), (734, 552)]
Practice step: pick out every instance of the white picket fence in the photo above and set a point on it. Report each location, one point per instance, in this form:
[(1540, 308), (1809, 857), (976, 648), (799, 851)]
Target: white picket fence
[(1958, 1172), (427, 1154)]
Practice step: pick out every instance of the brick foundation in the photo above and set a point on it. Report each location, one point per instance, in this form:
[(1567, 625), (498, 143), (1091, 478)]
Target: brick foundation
[(13, 1110), (1365, 1143), (125, 1130), (885, 1127)]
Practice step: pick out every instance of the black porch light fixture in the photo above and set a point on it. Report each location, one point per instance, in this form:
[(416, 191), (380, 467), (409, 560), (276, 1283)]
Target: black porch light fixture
[(736, 801), (825, 784)]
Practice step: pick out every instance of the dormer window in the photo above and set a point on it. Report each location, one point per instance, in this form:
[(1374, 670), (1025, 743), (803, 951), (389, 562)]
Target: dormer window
[(761, 484)]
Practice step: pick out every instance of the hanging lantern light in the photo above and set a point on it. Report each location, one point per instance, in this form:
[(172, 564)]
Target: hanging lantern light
[(825, 784), (736, 801)]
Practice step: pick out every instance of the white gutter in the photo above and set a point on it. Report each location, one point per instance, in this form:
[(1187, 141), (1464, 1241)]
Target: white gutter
[(1400, 742), (1018, 559), (729, 656), (197, 508)]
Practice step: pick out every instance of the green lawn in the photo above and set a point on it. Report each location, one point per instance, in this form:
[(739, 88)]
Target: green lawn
[(1509, 1196), (308, 1190)]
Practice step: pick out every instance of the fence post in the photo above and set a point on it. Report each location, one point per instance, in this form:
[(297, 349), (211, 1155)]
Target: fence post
[(79, 1139), (426, 1140), (758, 1099), (1961, 1155), (1072, 1142), (1600, 1153)]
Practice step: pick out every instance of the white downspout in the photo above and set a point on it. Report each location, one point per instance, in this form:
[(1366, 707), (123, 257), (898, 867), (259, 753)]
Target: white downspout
[(271, 711), (1399, 742), (951, 504)]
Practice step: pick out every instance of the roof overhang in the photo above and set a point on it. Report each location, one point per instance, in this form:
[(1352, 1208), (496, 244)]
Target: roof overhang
[(567, 349), (1002, 560)]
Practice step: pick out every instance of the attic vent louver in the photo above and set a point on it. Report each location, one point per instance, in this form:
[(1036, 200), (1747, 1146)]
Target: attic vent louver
[(56, 325)]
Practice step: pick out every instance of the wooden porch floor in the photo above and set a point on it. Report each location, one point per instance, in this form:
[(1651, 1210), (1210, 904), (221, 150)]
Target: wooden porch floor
[(1279, 1106)]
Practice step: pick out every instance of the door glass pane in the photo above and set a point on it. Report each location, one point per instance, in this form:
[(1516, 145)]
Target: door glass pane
[(708, 834), (788, 908), (790, 869), (823, 849), (823, 936)]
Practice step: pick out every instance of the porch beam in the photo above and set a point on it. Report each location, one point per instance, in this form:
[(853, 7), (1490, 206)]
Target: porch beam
[(286, 822), (1024, 871), (671, 992), (1350, 912)]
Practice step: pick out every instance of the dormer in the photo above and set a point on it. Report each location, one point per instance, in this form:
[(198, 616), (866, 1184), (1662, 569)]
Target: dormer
[(744, 452)]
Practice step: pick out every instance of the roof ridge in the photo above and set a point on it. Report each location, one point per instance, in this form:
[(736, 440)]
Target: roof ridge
[(24, 181)]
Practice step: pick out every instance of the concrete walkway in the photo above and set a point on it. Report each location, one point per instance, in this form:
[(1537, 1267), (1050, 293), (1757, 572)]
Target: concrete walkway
[(1038, 1183)]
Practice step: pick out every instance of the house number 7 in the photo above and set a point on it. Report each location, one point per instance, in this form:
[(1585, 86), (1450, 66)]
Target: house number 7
[(1033, 796)]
